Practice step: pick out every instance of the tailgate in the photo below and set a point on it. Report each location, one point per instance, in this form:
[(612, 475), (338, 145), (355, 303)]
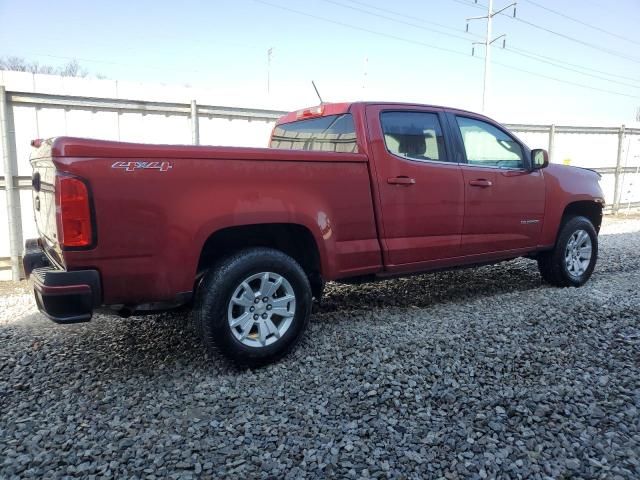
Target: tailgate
[(44, 205)]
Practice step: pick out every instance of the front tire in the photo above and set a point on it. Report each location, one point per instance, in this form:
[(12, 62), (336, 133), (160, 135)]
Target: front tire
[(571, 262), (253, 306)]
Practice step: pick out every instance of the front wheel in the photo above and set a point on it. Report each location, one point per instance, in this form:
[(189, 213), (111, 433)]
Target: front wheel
[(571, 262), (253, 306)]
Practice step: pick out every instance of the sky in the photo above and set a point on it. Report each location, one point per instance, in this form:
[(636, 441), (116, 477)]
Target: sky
[(579, 64)]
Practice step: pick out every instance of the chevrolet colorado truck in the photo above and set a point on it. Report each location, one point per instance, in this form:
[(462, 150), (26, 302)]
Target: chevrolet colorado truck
[(247, 237)]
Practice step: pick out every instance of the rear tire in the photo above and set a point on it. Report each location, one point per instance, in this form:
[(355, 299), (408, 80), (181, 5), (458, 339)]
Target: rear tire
[(253, 306), (572, 260)]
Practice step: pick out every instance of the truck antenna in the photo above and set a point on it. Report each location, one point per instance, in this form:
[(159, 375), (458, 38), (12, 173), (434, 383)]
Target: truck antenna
[(317, 92)]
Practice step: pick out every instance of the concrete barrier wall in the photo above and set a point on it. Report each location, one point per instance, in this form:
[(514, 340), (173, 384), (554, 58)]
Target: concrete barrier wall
[(43, 106)]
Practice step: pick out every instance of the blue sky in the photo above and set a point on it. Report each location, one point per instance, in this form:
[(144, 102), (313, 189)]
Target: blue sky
[(408, 50)]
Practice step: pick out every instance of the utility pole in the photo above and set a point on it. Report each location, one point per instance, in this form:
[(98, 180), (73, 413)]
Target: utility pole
[(269, 53), (365, 73), (488, 41)]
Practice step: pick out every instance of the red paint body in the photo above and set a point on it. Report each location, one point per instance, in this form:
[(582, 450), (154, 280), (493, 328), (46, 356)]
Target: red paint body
[(151, 223)]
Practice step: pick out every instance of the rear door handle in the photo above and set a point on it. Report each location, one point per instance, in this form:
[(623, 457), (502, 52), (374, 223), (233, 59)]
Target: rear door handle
[(480, 182), (402, 180)]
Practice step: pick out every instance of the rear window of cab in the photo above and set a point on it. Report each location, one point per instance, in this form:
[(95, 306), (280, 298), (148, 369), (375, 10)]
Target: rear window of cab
[(333, 133)]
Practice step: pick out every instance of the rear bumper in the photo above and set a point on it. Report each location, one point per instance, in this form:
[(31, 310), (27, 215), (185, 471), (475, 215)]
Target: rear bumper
[(63, 296)]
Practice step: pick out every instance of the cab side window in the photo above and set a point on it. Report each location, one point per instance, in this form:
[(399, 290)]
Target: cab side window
[(413, 135), (488, 146), (333, 133)]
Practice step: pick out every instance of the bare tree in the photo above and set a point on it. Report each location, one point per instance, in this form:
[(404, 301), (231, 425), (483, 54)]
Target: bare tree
[(37, 68), (19, 64), (72, 69)]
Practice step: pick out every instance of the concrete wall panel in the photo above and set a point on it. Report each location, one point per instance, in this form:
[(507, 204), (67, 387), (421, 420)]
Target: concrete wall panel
[(44, 121)]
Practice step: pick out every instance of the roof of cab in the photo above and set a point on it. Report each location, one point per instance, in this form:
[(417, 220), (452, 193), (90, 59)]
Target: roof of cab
[(327, 109)]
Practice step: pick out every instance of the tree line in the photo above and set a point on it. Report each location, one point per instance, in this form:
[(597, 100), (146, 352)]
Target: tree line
[(69, 69)]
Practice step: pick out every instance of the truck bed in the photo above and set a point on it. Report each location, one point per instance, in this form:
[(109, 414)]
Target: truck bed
[(155, 206)]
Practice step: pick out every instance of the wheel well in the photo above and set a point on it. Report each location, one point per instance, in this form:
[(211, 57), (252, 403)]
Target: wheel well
[(585, 208), (294, 240)]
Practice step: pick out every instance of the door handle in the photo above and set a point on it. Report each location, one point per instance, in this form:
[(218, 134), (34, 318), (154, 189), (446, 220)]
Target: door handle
[(480, 182), (402, 180)]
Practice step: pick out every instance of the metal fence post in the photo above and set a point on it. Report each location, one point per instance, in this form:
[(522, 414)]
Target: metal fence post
[(195, 124), (10, 170), (616, 185), (552, 136)]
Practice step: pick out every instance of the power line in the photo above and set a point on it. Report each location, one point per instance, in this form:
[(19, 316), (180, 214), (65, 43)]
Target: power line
[(363, 29), (609, 7), (403, 15), (576, 84), (564, 62), (564, 67), (524, 53), (512, 49), (456, 52), (463, 2), (393, 37), (479, 6), (559, 34), (468, 4), (490, 14), (532, 55), (403, 22), (576, 40), (595, 27)]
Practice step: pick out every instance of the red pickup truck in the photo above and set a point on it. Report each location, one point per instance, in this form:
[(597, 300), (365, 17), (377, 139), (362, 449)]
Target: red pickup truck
[(248, 236)]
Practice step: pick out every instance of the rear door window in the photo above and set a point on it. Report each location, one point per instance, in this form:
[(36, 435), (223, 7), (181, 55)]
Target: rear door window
[(333, 133), (413, 135)]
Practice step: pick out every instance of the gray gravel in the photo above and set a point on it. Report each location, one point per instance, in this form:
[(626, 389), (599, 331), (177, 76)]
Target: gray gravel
[(481, 373)]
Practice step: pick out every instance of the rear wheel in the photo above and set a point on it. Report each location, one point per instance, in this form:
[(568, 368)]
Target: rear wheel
[(253, 306), (571, 262)]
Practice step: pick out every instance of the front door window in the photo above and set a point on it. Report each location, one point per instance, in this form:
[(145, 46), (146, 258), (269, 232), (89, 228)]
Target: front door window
[(488, 146)]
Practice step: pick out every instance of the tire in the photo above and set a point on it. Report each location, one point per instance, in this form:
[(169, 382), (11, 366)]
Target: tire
[(281, 301), (567, 264)]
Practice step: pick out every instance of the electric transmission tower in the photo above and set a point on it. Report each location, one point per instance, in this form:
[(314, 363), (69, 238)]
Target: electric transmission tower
[(488, 41)]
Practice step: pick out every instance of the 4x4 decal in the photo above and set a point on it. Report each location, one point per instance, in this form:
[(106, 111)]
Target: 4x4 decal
[(135, 165)]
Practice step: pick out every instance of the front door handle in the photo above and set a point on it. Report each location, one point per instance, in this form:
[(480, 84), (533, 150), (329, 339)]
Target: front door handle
[(480, 182), (402, 180)]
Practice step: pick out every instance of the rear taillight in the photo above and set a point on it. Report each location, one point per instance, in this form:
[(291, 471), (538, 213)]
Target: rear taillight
[(73, 212)]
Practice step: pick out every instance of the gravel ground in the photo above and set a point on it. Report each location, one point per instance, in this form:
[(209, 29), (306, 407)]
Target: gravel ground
[(481, 373)]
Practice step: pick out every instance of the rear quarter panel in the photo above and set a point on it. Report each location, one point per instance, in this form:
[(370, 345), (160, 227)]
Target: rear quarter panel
[(152, 225)]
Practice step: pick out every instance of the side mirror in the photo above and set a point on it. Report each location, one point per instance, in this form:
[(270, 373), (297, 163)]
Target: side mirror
[(539, 159)]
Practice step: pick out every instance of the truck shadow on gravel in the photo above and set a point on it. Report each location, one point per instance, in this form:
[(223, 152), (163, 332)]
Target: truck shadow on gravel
[(467, 284), (155, 344), (150, 346), (432, 288)]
